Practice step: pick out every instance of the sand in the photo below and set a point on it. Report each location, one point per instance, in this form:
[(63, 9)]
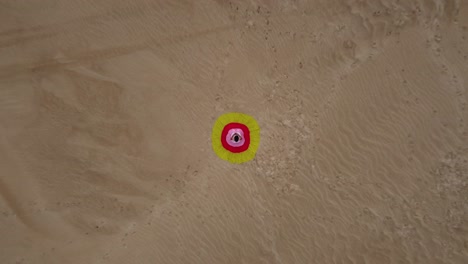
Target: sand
[(106, 111)]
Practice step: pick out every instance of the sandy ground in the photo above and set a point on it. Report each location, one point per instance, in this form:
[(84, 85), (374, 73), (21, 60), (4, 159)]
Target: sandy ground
[(106, 111)]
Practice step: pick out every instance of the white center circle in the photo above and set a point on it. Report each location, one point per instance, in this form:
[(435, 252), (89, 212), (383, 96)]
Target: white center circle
[(235, 137)]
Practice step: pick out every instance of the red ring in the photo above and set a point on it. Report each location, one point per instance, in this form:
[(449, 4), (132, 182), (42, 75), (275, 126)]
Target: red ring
[(233, 149)]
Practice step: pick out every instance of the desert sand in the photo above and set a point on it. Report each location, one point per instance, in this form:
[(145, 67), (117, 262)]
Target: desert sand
[(107, 107)]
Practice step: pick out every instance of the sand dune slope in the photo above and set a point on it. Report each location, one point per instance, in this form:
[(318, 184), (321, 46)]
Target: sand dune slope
[(106, 110)]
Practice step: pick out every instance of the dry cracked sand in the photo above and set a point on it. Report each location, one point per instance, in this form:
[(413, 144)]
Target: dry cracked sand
[(106, 111)]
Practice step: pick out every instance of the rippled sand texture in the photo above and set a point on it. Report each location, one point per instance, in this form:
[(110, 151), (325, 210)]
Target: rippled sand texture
[(106, 110)]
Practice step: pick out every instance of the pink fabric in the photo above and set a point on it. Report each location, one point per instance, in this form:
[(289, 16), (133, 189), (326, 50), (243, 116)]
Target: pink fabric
[(230, 137)]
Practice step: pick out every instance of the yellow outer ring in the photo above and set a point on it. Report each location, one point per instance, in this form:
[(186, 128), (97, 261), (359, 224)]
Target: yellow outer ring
[(225, 154)]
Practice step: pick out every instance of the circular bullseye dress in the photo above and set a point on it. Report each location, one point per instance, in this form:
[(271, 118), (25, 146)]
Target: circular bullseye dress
[(235, 137)]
